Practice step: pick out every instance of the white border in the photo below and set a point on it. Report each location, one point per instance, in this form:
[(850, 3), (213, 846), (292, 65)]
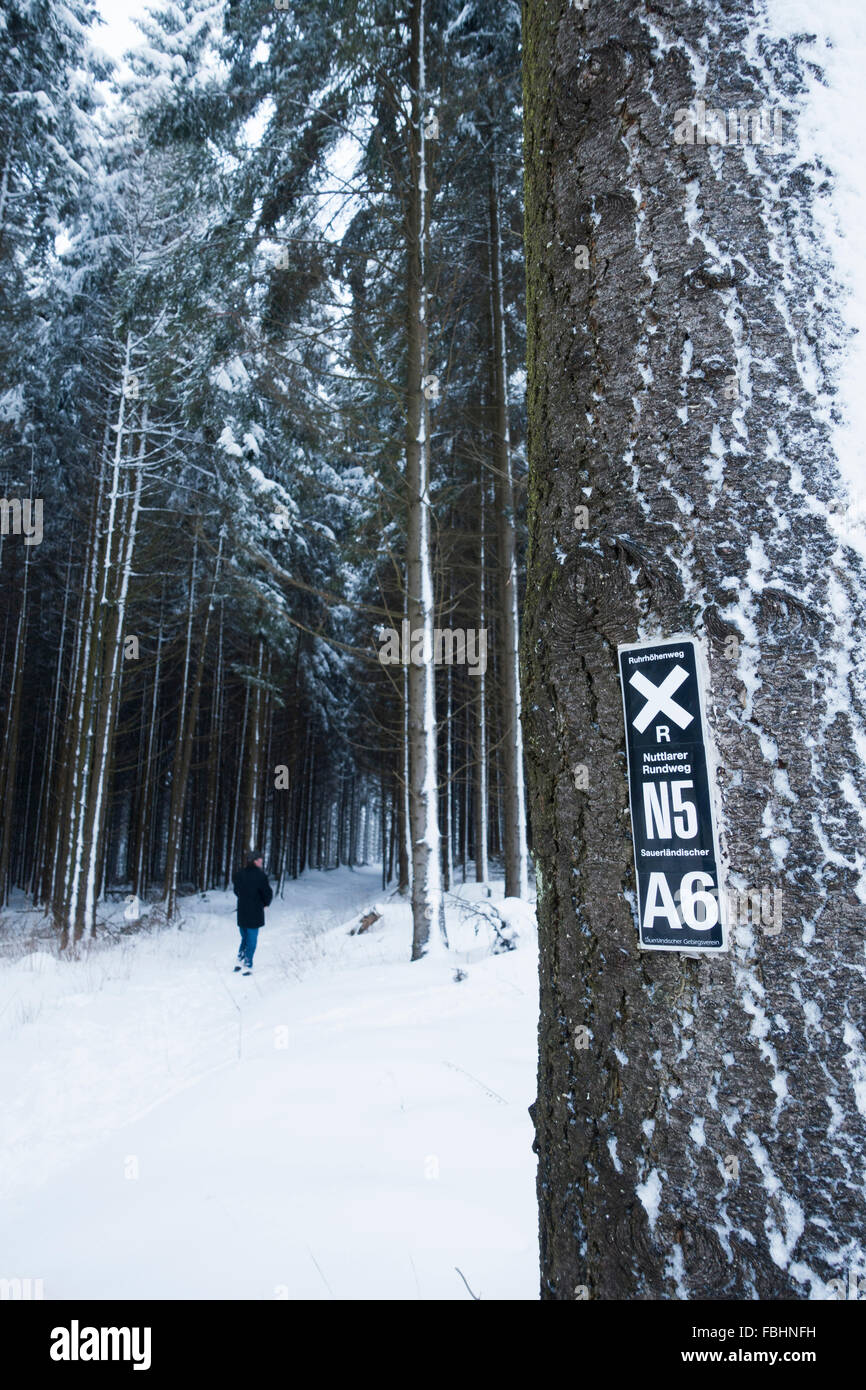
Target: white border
[(701, 676)]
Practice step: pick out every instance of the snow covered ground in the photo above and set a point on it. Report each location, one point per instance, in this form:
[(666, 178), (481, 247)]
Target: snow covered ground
[(342, 1124)]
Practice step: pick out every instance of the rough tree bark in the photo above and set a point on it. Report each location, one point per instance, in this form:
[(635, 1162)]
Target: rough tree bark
[(702, 1138)]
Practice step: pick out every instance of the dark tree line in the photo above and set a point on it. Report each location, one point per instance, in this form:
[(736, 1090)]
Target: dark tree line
[(264, 343)]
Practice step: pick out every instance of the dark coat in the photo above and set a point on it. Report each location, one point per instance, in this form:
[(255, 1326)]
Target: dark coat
[(253, 893)]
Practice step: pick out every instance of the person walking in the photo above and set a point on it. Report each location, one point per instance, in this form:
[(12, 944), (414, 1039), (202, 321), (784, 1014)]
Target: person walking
[(254, 894)]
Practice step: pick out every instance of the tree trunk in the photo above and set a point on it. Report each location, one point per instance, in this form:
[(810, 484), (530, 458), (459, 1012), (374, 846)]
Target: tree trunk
[(233, 848), (115, 590), (428, 912), (513, 791), (252, 799), (701, 1138), (214, 763), (141, 859), (187, 721), (480, 781), (403, 860), (78, 714), (12, 736), (40, 886)]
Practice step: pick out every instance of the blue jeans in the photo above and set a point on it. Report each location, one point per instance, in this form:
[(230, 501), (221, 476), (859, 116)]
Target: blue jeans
[(249, 941)]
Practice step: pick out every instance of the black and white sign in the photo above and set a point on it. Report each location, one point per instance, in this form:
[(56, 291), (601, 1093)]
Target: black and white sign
[(675, 847)]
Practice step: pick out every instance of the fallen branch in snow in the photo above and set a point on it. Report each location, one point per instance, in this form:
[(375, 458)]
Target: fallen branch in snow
[(504, 935), (366, 922), (476, 1296), (493, 1094), (152, 918), (321, 1271)]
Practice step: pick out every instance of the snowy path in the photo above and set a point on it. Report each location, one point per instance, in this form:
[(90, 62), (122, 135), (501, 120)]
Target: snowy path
[(372, 1135)]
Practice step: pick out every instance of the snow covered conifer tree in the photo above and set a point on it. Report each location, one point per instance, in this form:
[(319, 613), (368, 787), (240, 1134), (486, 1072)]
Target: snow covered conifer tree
[(47, 99), (700, 1122)]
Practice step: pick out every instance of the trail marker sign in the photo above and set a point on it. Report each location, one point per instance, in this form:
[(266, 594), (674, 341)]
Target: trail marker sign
[(676, 851)]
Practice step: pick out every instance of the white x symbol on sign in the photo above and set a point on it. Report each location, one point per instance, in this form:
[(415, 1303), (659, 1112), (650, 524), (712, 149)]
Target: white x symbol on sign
[(658, 698)]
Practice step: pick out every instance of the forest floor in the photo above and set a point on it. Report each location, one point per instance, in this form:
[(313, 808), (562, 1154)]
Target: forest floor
[(342, 1124)]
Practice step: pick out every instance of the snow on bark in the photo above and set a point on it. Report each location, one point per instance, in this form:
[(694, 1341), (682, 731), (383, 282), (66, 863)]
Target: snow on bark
[(682, 378)]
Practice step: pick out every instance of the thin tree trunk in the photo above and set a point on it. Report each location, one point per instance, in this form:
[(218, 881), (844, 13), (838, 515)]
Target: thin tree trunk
[(513, 792), (236, 809), (114, 596), (12, 735), (143, 837), (482, 793), (40, 888), (428, 914), (404, 861), (253, 781), (187, 722)]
